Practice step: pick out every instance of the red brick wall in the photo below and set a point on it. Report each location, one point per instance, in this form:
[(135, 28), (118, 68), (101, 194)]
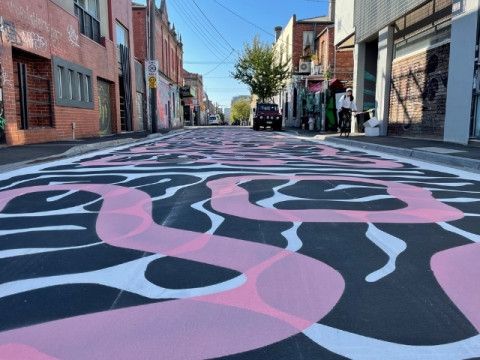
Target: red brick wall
[(340, 62), (298, 30), (140, 33), (39, 87), (43, 28), (419, 92)]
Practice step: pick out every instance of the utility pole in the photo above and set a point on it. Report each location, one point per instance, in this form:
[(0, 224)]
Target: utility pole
[(151, 39)]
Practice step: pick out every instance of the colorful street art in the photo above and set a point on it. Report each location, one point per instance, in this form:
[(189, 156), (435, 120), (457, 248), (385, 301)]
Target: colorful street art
[(225, 243)]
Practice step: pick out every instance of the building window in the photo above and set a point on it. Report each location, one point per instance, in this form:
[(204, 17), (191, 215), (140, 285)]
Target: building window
[(70, 84), (87, 12), (73, 86), (121, 35), (308, 42)]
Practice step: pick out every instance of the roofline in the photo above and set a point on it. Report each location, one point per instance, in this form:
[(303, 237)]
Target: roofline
[(325, 30)]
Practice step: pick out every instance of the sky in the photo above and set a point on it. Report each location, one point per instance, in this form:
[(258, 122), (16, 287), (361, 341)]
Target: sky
[(208, 38)]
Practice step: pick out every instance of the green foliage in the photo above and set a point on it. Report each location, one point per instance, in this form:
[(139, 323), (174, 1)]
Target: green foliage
[(260, 69), (241, 110), (2, 123)]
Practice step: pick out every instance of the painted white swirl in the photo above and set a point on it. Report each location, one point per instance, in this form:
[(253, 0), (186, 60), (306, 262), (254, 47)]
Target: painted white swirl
[(468, 235), (128, 276), (390, 245), (358, 347), (294, 243), (215, 219)]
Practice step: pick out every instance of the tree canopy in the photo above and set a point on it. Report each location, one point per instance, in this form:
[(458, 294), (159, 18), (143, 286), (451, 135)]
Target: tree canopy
[(259, 67), (241, 110)]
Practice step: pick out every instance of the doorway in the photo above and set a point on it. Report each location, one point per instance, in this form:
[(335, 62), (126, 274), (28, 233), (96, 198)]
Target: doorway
[(104, 107)]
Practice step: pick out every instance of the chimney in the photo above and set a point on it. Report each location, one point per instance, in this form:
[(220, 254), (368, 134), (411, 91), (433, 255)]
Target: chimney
[(278, 32), (331, 10)]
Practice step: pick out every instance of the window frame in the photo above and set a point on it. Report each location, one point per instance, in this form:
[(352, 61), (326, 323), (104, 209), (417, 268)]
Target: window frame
[(68, 76)]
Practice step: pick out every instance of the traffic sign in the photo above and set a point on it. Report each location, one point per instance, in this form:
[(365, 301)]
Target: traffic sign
[(152, 73)]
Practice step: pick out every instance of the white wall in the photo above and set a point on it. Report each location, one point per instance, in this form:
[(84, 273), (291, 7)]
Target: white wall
[(344, 27), (461, 71)]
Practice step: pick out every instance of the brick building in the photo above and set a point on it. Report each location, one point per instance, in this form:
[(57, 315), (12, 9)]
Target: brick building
[(66, 69), (169, 53), (415, 63), (295, 45), (335, 62), (193, 105)]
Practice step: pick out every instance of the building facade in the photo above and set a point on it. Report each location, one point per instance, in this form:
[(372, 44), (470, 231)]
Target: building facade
[(66, 70), (193, 105), (169, 53), (295, 45), (416, 62)]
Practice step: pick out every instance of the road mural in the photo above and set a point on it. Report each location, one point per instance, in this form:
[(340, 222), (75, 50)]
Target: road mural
[(227, 243)]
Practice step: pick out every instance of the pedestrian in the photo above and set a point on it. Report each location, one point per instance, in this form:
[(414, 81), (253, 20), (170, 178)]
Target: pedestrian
[(346, 105)]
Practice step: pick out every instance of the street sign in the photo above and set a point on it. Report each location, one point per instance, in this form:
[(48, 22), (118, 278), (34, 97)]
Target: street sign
[(152, 82), (152, 73)]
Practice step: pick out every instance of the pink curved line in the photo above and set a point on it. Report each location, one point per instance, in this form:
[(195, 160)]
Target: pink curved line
[(458, 272), (421, 207), (230, 322), (228, 150)]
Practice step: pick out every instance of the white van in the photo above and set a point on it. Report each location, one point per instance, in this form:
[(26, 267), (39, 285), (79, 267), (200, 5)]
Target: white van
[(214, 120)]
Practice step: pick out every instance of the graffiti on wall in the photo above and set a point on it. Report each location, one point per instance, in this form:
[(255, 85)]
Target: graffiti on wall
[(73, 36), (22, 38), (138, 216), (419, 91)]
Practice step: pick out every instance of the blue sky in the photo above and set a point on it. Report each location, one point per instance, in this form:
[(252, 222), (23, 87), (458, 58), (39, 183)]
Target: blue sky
[(205, 49)]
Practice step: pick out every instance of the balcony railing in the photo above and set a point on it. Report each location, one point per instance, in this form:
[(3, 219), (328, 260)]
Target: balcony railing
[(89, 25)]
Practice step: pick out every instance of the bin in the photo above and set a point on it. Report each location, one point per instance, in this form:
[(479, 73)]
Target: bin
[(362, 118)]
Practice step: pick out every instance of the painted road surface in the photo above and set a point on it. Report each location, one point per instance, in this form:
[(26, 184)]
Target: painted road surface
[(234, 244)]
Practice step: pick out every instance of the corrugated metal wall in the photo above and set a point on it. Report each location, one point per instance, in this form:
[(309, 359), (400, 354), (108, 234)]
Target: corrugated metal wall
[(373, 15)]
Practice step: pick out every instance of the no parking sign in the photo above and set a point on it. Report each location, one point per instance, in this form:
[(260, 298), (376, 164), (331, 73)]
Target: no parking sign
[(152, 72)]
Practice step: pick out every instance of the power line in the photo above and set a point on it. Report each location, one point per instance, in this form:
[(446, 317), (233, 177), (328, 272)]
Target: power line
[(214, 27), (208, 32), (207, 62), (244, 19), (251, 23), (223, 62), (190, 23)]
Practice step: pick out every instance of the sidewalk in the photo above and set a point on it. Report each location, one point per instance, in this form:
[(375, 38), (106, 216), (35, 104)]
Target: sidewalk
[(13, 157), (433, 151)]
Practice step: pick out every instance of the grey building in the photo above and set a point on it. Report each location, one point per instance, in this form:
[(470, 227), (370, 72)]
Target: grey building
[(416, 64)]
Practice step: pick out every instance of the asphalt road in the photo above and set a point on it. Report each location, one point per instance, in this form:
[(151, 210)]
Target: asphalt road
[(229, 243)]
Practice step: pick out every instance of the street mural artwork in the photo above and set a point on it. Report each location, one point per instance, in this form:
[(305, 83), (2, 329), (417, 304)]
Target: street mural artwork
[(231, 244)]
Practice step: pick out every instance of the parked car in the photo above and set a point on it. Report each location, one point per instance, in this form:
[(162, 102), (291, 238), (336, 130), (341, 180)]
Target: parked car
[(214, 120), (267, 115)]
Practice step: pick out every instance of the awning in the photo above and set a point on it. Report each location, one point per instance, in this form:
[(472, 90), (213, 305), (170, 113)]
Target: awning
[(319, 86)]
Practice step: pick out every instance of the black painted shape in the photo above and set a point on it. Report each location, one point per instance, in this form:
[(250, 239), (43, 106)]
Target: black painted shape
[(298, 347), (176, 273), (66, 301)]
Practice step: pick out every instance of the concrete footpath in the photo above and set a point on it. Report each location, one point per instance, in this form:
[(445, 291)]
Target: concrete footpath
[(433, 151), (14, 157)]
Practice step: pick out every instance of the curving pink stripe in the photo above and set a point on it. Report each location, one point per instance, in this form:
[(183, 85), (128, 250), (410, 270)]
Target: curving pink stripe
[(251, 158), (458, 272), (263, 311), (421, 207)]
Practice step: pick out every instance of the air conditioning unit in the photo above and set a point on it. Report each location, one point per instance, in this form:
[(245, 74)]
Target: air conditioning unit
[(305, 67)]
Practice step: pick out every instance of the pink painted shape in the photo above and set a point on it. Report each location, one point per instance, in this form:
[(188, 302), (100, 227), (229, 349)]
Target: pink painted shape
[(233, 321), (229, 198), (22, 352), (458, 272), (250, 158)]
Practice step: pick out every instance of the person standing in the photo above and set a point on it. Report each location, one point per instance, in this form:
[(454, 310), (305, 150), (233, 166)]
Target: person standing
[(345, 107)]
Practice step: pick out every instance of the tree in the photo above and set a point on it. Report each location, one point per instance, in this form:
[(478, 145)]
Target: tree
[(241, 110), (260, 68)]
